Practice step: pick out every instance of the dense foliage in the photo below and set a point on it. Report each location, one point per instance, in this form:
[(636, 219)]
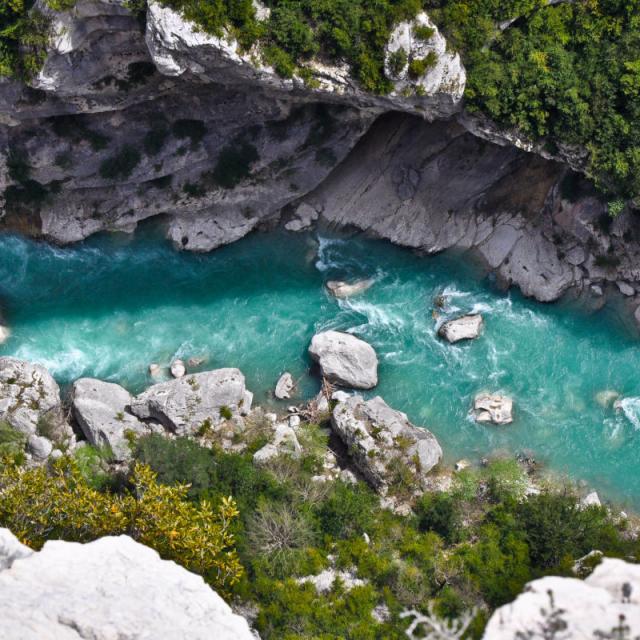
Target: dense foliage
[(568, 72), (469, 549), (39, 504), (475, 546)]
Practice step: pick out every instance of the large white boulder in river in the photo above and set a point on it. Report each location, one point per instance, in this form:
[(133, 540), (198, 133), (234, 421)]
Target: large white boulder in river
[(184, 404), (464, 328), (28, 392), (285, 386), (345, 359), (382, 441), (107, 589), (495, 408), (102, 411), (588, 609)]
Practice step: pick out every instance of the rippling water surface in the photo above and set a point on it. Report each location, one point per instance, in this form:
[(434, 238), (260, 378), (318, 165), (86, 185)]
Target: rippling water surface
[(109, 307)]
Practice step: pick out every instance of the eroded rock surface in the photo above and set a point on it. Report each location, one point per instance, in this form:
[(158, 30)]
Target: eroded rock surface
[(185, 404), (345, 359), (102, 411), (382, 442), (111, 588), (28, 394), (493, 407)]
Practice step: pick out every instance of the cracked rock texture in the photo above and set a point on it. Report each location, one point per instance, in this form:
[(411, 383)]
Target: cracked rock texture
[(111, 588)]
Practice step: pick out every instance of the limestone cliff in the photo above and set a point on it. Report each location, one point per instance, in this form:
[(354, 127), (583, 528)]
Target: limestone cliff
[(127, 121)]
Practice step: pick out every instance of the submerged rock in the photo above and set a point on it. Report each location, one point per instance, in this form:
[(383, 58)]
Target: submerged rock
[(590, 608), (5, 334), (340, 289), (382, 441), (494, 408), (606, 397), (185, 404), (28, 394), (464, 328), (111, 588), (284, 386), (345, 359), (102, 411)]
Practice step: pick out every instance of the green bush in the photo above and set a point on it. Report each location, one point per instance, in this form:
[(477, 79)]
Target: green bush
[(348, 511), (234, 164), (398, 61), (121, 165), (195, 130), (440, 513), (423, 32), (419, 66), (155, 139)]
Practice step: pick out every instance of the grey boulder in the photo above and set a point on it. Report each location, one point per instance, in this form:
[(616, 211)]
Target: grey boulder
[(284, 386), (102, 411), (185, 404), (382, 442), (345, 359), (464, 328)]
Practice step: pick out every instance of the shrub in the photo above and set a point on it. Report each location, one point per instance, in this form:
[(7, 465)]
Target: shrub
[(155, 139), (234, 164), (440, 513), (419, 66), (398, 61), (12, 444), (195, 130), (424, 32), (226, 413), (120, 165), (39, 504), (280, 60), (349, 510)]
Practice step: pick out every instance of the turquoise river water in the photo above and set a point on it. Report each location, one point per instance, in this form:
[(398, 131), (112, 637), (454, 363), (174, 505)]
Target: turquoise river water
[(112, 305)]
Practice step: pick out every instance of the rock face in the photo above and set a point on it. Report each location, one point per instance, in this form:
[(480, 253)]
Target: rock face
[(111, 588), (464, 328), (102, 411), (177, 103), (285, 442), (340, 289), (382, 440), (391, 186), (588, 607), (28, 393), (185, 404), (494, 408), (345, 359)]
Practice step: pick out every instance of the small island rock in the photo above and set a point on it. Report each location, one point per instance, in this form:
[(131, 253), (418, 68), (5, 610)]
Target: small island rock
[(345, 359), (340, 289), (495, 408), (284, 386), (464, 328)]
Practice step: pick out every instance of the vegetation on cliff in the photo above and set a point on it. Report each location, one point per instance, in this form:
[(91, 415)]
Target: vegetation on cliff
[(567, 72), (470, 548)]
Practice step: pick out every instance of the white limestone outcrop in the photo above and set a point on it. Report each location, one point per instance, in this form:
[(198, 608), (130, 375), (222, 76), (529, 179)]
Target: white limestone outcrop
[(111, 588)]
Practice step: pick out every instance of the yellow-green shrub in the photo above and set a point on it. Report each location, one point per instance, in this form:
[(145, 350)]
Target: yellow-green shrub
[(39, 504)]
